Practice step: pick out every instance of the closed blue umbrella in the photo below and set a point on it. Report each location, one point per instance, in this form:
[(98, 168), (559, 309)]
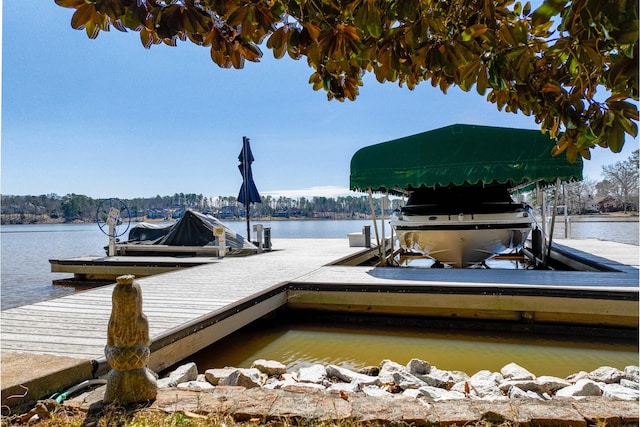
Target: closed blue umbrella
[(248, 191)]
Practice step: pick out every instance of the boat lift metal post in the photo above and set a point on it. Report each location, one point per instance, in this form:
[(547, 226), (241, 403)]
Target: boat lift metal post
[(553, 222), (543, 207), (375, 228)]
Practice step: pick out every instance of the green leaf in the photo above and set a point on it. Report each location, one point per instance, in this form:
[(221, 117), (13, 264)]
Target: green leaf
[(374, 21), (615, 137), (81, 16), (548, 9), (473, 32), (628, 126), (70, 3), (627, 32), (483, 82)]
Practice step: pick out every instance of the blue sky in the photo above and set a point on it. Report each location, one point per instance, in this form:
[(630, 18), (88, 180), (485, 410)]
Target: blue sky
[(108, 118)]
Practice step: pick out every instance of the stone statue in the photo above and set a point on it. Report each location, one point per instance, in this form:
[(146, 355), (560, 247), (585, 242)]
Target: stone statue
[(127, 350)]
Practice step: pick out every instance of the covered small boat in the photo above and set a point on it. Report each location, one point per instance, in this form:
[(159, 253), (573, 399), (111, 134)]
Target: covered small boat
[(459, 210), (192, 235)]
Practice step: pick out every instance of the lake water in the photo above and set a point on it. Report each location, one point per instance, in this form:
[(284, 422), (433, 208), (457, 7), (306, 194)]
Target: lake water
[(26, 278), (356, 346), (25, 250)]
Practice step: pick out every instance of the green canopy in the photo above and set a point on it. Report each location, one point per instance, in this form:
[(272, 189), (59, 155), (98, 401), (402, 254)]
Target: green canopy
[(460, 155)]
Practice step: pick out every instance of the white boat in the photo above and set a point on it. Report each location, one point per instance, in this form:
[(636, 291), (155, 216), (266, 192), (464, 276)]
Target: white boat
[(459, 210), (462, 226)]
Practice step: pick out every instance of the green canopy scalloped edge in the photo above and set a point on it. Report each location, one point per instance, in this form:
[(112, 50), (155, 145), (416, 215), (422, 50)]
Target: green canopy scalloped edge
[(458, 155)]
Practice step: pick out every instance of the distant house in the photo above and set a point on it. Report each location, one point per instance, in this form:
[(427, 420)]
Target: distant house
[(226, 212), (609, 204), (155, 213)]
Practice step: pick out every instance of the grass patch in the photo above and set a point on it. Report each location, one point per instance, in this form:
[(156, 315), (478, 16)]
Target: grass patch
[(118, 416)]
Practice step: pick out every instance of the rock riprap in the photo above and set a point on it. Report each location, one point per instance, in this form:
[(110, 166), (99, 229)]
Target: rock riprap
[(418, 379)]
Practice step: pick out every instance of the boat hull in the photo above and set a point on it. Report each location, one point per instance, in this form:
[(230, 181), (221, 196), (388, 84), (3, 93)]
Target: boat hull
[(461, 241)]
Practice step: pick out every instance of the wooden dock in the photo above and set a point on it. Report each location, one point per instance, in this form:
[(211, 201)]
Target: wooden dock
[(191, 308), (108, 268)]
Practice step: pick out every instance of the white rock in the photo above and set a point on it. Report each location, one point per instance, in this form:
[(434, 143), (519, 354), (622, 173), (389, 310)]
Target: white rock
[(253, 375), (249, 378), (618, 391), (277, 384), (302, 386), (214, 376), (392, 372), (346, 387), (312, 374), (461, 387), (412, 392), (195, 386), (542, 384), (517, 393), (437, 393), (185, 373), (485, 389), (534, 395), (629, 384), (387, 369), (574, 378), (418, 367), (550, 384), (583, 387), (459, 376), (486, 375), (438, 378), (515, 372), (273, 383), (348, 376), (374, 391), (269, 367), (632, 373), (166, 383), (606, 374)]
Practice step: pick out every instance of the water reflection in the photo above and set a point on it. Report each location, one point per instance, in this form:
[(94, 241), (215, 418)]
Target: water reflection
[(356, 346)]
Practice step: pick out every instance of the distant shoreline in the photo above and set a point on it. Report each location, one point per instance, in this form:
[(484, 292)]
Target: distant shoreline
[(14, 219), (45, 219)]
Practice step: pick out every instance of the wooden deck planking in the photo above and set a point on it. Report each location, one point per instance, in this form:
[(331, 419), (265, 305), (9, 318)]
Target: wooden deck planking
[(76, 325), (615, 255)]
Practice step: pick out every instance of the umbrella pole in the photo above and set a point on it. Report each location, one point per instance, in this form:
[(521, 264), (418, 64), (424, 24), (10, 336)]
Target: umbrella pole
[(248, 227), (246, 184)]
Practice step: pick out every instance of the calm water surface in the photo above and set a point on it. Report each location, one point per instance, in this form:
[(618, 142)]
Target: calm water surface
[(355, 347), (25, 250)]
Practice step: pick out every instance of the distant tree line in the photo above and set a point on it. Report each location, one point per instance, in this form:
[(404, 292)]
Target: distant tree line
[(618, 191), (80, 208)]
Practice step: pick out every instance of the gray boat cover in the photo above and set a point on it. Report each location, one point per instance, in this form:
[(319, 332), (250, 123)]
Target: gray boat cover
[(193, 229)]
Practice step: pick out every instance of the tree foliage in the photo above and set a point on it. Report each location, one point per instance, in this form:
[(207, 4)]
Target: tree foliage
[(571, 64)]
